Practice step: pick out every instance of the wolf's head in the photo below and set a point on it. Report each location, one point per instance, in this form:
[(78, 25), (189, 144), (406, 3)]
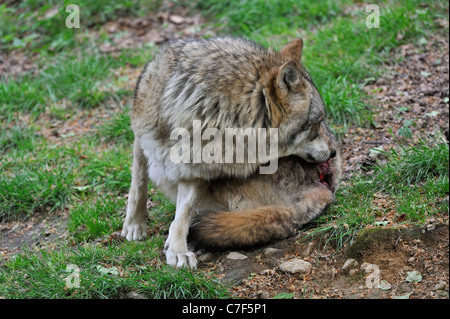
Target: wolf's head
[(296, 108)]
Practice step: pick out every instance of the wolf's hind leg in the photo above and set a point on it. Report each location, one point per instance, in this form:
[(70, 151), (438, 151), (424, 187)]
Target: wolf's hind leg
[(135, 224)]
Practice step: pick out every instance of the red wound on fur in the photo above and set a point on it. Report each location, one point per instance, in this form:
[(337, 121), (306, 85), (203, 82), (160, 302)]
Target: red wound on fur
[(325, 174)]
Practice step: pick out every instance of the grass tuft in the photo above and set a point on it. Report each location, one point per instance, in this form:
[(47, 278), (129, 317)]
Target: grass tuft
[(90, 220), (411, 165), (117, 129), (415, 179), (104, 273), (38, 188)]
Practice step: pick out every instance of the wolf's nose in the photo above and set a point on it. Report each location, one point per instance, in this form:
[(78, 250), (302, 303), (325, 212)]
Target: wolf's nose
[(333, 154)]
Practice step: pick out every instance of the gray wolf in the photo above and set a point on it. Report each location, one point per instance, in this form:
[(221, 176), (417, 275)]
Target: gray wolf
[(263, 208), (224, 83)]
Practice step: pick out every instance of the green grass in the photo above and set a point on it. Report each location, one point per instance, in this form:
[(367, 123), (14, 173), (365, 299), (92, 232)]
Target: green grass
[(23, 94), (88, 176), (17, 137), (35, 177), (249, 17), (117, 129), (76, 79), (104, 273), (346, 54), (106, 171), (91, 219), (37, 190), (415, 179), (19, 27), (411, 164)]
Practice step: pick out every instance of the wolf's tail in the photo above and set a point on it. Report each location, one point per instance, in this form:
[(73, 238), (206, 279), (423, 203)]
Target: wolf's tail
[(259, 226)]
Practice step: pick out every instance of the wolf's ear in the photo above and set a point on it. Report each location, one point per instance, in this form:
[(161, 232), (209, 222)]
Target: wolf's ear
[(293, 50), (287, 75)]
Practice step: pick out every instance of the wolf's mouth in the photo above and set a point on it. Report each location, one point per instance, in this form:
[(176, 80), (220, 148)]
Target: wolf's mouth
[(326, 174)]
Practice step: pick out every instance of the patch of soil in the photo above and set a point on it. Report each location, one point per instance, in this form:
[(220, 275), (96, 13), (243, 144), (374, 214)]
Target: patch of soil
[(413, 93), (134, 33), (39, 230), (391, 253), (16, 62)]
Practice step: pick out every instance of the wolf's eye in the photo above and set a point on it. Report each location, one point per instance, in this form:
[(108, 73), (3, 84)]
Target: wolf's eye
[(314, 131)]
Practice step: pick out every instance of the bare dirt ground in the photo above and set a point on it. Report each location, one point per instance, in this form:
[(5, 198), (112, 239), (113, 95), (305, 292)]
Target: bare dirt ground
[(379, 264), (415, 91)]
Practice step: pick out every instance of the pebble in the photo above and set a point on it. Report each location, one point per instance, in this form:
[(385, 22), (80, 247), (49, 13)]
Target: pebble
[(262, 295), (308, 249), (364, 266), (440, 285), (134, 295), (236, 256), (204, 257), (349, 263), (267, 272), (296, 265), (270, 251), (353, 272)]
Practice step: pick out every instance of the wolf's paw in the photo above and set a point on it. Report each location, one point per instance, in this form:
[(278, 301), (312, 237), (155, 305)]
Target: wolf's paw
[(320, 196), (179, 260), (325, 197), (134, 230)]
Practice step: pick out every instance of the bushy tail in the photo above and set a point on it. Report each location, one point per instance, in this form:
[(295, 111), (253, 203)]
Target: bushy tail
[(259, 226)]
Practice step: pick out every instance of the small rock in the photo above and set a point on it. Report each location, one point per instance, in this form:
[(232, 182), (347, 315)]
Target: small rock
[(270, 251), (364, 266), (404, 288), (176, 19), (296, 266), (134, 295), (353, 272), (430, 227), (349, 263), (440, 285), (262, 295), (203, 257), (308, 249), (268, 272), (411, 259), (236, 256)]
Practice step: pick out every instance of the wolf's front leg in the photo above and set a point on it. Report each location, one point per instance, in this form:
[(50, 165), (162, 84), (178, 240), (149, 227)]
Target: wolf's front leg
[(135, 224), (177, 253)]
